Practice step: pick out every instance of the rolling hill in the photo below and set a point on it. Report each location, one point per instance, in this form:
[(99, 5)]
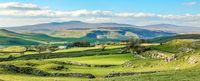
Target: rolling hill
[(169, 38), (172, 28), (78, 29), (12, 38)]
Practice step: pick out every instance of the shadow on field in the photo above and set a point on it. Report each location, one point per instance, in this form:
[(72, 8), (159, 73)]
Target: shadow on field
[(63, 55)]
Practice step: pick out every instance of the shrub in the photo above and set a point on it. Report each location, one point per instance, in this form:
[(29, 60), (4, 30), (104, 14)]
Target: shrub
[(81, 44)]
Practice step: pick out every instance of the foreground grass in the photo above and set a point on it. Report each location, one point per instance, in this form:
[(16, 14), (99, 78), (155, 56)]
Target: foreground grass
[(21, 77), (192, 74), (176, 70), (180, 75)]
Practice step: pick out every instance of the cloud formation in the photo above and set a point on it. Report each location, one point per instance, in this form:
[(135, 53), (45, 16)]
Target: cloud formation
[(17, 13), (193, 3), (19, 6)]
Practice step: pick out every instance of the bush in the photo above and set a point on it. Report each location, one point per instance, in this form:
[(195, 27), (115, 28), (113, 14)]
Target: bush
[(81, 44), (59, 67)]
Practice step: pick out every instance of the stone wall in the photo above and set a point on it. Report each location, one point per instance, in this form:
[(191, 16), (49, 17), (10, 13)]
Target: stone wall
[(110, 75), (33, 71)]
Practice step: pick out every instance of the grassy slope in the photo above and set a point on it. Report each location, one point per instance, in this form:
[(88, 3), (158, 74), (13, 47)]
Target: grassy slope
[(188, 72), (184, 36), (15, 41), (100, 60), (12, 38)]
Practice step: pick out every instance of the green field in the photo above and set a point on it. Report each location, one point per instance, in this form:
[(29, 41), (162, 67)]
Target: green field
[(92, 60), (115, 59)]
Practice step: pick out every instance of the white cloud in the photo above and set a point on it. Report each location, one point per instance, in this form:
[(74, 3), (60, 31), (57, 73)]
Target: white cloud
[(190, 3), (25, 13), (19, 6), (135, 14)]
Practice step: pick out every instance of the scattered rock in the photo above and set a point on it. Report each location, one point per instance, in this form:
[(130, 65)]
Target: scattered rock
[(169, 59), (155, 54), (186, 49), (128, 64), (160, 55), (193, 60)]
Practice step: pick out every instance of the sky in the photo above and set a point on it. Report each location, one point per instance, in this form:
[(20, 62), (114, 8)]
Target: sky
[(135, 12)]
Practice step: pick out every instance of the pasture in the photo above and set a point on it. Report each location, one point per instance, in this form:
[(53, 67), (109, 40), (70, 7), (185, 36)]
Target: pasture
[(110, 62)]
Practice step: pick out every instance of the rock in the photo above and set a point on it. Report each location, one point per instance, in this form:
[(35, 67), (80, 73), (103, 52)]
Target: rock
[(186, 49), (155, 54), (193, 60), (169, 59), (128, 64)]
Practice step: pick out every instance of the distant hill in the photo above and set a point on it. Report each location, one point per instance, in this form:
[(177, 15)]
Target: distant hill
[(126, 32), (12, 38), (56, 26), (172, 28), (78, 29), (15, 41), (4, 32), (169, 38)]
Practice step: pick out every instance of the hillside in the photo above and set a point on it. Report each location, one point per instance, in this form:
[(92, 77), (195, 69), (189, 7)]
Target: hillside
[(15, 41), (168, 38), (171, 28), (13, 38), (175, 60)]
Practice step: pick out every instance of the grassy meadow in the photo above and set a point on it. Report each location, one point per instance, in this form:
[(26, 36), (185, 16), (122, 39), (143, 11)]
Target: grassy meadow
[(92, 60)]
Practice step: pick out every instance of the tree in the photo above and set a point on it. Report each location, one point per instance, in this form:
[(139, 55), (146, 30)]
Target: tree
[(134, 46), (41, 48), (52, 48), (81, 44), (25, 50), (103, 47)]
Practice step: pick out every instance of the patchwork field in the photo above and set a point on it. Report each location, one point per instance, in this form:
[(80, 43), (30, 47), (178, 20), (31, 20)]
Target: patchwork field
[(176, 60)]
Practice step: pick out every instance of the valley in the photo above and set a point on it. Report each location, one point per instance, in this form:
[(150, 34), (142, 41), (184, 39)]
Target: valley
[(174, 60), (98, 54)]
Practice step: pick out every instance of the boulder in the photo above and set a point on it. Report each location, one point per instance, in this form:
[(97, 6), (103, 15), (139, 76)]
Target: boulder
[(171, 58), (155, 54), (193, 60), (128, 64)]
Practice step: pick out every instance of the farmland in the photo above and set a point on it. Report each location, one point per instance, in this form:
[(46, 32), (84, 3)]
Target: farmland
[(92, 61)]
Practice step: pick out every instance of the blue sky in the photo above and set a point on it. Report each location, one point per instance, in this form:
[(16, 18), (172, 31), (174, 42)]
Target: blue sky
[(139, 12), (153, 6)]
